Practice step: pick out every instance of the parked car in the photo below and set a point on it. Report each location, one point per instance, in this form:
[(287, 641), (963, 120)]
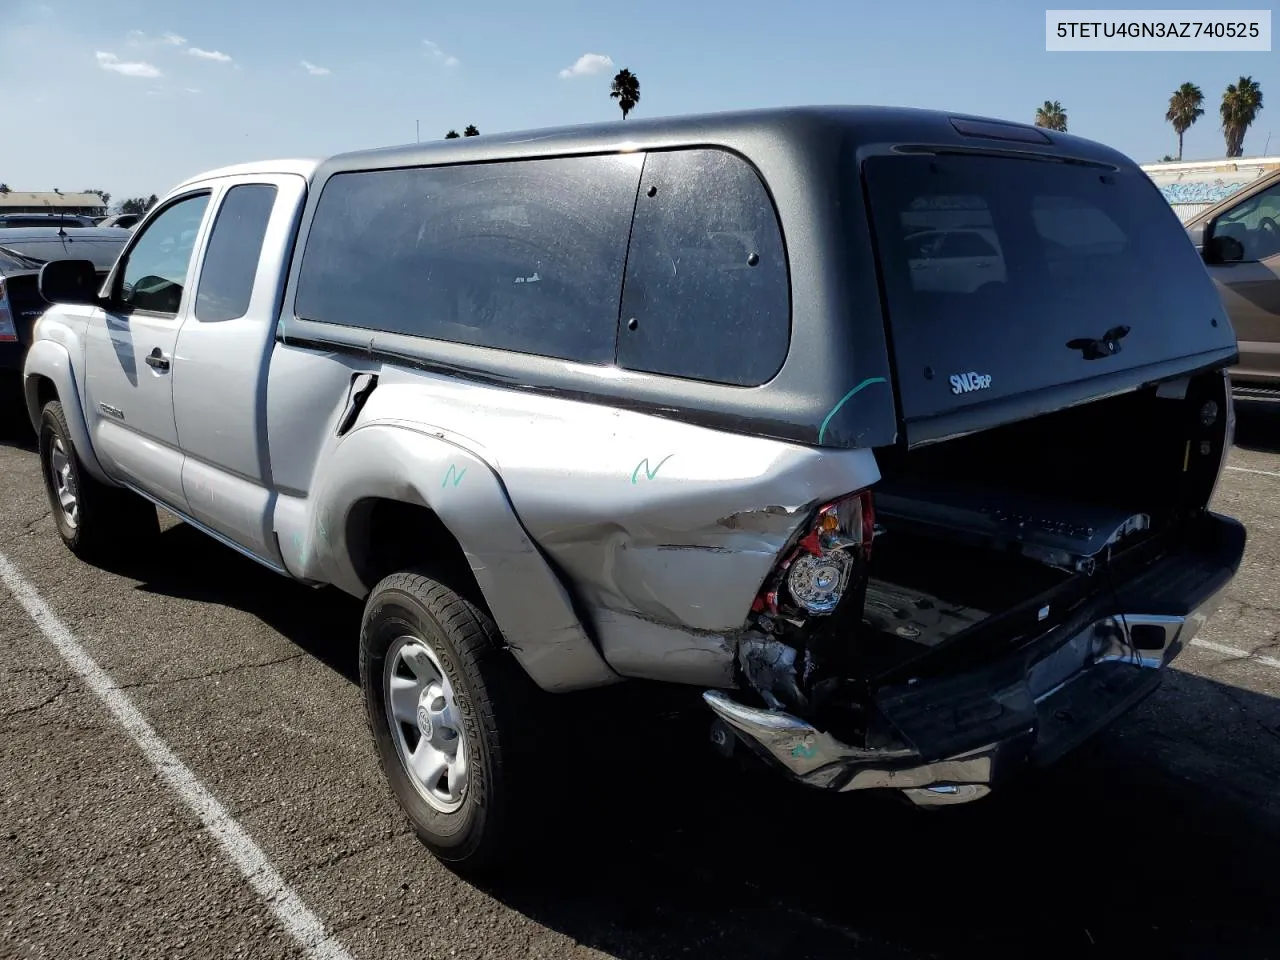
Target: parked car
[(955, 260), (23, 251), (45, 220), (664, 401), (126, 220), (1239, 239)]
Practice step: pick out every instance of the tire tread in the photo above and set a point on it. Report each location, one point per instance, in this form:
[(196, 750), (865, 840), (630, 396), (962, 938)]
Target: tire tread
[(113, 521), (499, 690)]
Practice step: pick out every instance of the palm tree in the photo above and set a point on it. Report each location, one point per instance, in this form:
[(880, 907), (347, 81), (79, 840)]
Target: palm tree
[(1051, 116), (471, 131), (626, 90), (1241, 102), (1184, 110), (451, 135)]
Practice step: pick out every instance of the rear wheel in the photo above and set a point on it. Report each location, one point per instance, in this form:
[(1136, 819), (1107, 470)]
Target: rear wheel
[(452, 716), (95, 521)]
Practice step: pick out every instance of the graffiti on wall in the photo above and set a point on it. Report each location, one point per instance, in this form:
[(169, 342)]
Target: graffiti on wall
[(1201, 191)]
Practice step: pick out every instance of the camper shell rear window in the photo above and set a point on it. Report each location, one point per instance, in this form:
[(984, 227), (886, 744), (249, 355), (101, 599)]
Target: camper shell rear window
[(1003, 276)]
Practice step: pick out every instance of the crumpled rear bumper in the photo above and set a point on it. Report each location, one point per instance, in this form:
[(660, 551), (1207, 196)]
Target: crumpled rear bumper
[(963, 732)]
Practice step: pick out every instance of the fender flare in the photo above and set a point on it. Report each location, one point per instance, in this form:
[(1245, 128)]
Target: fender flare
[(401, 462), (49, 359)]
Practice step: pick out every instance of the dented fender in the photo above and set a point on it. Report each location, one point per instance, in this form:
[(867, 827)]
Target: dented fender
[(663, 530), (428, 468)]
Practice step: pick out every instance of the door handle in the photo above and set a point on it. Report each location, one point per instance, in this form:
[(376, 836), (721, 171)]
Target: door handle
[(157, 359)]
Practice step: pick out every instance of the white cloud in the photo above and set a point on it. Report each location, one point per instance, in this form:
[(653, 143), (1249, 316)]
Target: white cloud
[(138, 38), (434, 50), (217, 55), (109, 61), (192, 89), (312, 69), (586, 64)]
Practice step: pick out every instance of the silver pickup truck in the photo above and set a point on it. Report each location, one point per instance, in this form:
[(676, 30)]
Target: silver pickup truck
[(889, 434)]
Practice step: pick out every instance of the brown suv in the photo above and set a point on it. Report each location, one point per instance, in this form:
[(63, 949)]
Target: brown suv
[(1239, 239)]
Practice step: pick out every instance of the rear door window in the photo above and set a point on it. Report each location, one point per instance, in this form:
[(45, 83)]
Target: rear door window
[(998, 272), (524, 256), (707, 295), (231, 258)]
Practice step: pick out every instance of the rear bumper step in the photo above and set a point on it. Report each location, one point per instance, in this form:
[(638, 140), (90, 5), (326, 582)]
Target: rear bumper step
[(963, 733)]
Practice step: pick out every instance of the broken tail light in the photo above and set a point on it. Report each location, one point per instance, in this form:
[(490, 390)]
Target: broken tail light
[(816, 574)]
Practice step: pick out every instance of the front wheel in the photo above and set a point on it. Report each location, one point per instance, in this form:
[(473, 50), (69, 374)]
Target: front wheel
[(94, 520), (452, 716)]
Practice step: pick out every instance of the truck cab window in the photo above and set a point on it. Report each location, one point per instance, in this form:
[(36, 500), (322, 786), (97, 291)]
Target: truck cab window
[(155, 270)]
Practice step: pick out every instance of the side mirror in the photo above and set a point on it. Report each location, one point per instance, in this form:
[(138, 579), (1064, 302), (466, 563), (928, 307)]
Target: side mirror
[(69, 281), (1223, 249)]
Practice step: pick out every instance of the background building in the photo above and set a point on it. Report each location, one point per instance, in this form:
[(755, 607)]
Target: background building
[(17, 201), (1195, 185)]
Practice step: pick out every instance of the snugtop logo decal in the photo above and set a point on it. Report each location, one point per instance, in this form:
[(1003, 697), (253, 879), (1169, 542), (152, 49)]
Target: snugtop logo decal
[(969, 382)]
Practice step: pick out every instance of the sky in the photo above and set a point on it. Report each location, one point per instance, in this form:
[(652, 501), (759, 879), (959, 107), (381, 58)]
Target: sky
[(133, 96)]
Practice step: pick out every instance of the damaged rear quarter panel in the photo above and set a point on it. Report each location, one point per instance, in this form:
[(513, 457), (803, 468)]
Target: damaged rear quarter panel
[(664, 530)]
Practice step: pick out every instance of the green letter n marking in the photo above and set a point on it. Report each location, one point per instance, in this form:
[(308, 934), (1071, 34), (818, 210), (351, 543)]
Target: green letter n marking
[(647, 472), (453, 473)]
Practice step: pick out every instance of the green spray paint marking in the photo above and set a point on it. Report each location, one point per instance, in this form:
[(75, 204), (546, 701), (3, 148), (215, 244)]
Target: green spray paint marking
[(804, 750), (843, 400), (645, 463), (453, 473)]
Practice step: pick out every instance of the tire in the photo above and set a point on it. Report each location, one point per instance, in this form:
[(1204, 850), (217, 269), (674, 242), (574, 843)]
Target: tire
[(99, 522), (495, 709)]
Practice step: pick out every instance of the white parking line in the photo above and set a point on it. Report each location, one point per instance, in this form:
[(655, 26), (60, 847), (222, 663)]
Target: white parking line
[(1236, 652), (1261, 473), (288, 907)]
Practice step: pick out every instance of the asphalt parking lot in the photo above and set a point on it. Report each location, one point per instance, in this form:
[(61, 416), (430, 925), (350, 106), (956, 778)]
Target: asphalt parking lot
[(1160, 838)]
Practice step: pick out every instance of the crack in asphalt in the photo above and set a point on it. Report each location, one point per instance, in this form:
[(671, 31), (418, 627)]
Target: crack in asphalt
[(37, 520), (220, 672), (1249, 606), (1259, 655), (1273, 732), (66, 685), (381, 838), (17, 670)]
